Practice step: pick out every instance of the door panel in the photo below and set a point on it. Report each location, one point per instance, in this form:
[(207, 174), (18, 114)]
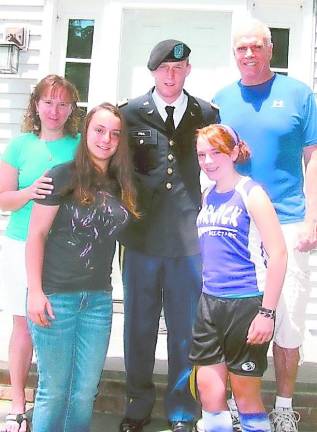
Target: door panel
[(207, 33)]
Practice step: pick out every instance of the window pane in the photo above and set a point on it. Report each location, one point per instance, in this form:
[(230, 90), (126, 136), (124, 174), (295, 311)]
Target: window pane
[(78, 74), (80, 37), (280, 39)]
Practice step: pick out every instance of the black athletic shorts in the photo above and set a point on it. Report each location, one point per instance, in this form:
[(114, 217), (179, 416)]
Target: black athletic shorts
[(220, 334)]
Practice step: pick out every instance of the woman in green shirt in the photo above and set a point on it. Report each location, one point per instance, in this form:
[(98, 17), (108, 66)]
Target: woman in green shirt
[(50, 137)]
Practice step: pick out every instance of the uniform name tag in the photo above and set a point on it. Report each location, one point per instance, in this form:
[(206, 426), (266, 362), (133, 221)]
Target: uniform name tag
[(141, 133)]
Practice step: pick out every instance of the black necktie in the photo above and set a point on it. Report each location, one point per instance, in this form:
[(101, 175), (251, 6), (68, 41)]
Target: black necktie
[(169, 122)]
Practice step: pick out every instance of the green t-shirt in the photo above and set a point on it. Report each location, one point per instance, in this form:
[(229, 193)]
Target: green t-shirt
[(32, 157)]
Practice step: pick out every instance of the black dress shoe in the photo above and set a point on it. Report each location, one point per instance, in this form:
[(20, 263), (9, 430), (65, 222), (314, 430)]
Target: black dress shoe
[(133, 425), (181, 426)]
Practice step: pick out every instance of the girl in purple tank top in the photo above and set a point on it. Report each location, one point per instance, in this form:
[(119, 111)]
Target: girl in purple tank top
[(244, 260)]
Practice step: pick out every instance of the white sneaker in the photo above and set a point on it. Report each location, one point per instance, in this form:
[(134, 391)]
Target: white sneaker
[(284, 420), (234, 415), (200, 426)]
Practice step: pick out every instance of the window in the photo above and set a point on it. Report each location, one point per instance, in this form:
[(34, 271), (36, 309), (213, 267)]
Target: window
[(78, 56), (280, 39)]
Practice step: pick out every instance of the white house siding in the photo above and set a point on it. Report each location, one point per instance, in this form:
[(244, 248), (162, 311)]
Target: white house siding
[(15, 88)]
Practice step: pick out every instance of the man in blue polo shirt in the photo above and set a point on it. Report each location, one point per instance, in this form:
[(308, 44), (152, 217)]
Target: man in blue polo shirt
[(277, 116)]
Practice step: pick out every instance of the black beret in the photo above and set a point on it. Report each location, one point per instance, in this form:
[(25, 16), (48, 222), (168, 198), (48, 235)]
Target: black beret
[(168, 50)]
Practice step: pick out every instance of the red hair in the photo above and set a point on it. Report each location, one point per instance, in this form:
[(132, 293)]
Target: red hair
[(224, 139)]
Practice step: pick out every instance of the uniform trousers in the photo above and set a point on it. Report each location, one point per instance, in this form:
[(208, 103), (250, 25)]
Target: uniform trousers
[(150, 282)]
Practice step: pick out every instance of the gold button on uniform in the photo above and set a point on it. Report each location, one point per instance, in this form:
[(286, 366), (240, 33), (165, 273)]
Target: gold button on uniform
[(171, 143), (169, 171), (168, 186), (170, 157)]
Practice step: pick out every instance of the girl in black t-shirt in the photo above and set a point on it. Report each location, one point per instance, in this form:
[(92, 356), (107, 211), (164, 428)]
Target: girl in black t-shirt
[(69, 252)]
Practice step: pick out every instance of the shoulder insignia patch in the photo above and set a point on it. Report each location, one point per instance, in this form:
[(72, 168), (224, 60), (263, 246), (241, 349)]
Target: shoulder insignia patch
[(122, 103)]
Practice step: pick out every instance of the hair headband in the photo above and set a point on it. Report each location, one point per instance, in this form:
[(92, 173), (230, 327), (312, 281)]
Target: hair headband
[(232, 133)]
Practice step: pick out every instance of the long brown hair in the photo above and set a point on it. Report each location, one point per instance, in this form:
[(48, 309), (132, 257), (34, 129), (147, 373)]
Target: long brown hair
[(32, 122), (88, 178)]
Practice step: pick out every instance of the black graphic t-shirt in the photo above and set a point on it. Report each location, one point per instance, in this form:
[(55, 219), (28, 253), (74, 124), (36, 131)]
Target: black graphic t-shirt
[(81, 243)]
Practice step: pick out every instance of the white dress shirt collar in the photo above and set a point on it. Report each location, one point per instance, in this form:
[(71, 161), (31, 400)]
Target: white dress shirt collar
[(180, 105)]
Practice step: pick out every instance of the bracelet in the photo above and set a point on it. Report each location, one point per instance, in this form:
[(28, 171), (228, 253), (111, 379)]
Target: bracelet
[(268, 313)]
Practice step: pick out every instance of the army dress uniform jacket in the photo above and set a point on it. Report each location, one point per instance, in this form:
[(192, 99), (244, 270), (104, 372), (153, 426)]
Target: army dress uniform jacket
[(167, 177)]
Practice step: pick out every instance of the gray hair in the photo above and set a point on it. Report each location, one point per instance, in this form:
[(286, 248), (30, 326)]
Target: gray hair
[(252, 26)]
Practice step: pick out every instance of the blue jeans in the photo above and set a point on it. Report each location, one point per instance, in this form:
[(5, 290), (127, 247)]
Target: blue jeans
[(70, 358)]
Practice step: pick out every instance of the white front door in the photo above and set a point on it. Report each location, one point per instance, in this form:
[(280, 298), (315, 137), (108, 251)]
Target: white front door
[(207, 33)]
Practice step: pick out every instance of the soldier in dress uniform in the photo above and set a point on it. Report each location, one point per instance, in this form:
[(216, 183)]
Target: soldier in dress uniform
[(161, 263)]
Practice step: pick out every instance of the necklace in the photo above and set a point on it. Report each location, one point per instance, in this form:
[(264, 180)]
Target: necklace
[(49, 145), (49, 153), (50, 156)]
